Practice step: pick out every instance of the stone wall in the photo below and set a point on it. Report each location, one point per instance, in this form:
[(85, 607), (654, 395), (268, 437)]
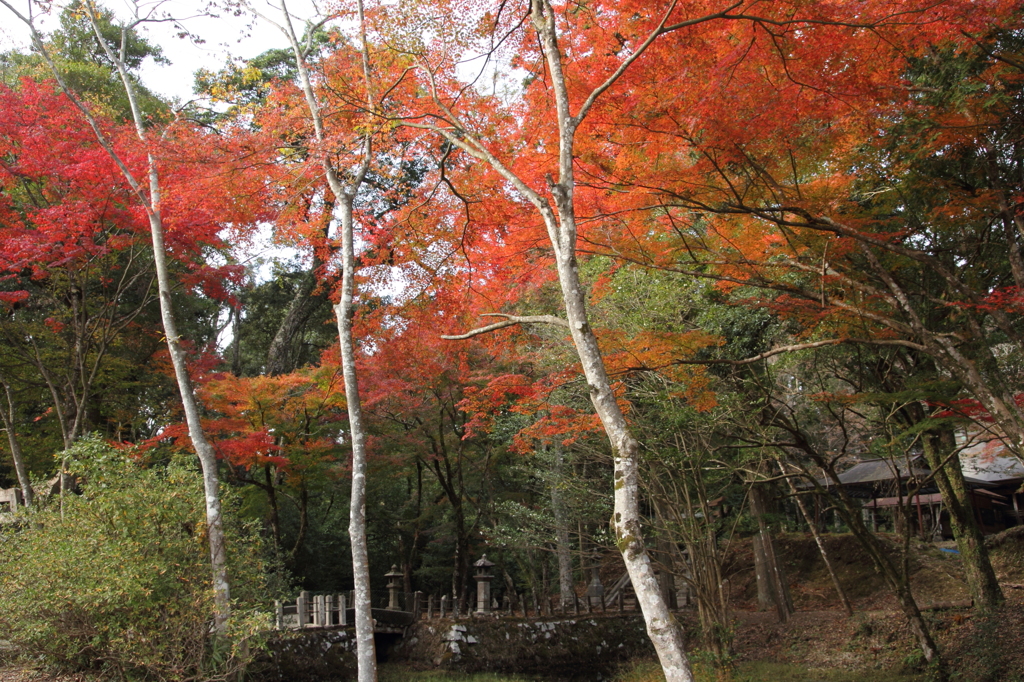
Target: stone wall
[(307, 656), (585, 648)]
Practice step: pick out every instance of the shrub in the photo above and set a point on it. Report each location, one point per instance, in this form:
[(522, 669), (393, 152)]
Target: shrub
[(122, 583)]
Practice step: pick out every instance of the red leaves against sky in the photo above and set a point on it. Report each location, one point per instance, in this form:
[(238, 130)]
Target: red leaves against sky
[(64, 200)]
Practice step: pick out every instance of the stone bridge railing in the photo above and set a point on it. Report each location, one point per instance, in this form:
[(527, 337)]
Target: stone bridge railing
[(403, 608)]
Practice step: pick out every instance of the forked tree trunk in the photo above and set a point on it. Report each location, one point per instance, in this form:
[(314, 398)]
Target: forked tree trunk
[(345, 194), (559, 215), (663, 629)]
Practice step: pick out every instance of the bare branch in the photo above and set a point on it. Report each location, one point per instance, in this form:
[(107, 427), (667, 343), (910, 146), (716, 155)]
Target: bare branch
[(509, 321)]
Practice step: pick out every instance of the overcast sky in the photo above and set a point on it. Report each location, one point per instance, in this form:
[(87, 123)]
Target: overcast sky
[(224, 36)]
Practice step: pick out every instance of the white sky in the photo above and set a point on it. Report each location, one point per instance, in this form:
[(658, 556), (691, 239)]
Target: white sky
[(224, 36)]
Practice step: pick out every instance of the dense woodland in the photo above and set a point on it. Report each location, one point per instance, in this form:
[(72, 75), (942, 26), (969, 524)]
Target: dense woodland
[(610, 278)]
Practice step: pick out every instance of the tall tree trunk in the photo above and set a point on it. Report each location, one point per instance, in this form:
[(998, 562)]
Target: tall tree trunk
[(772, 588), (344, 312), (344, 194), (148, 194), (560, 221), (981, 578), (563, 548), (8, 417), (663, 629)]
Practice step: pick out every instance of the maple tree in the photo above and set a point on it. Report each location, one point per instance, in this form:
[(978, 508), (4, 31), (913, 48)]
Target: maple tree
[(659, 197), (72, 252), (751, 78), (339, 134), (862, 234), (189, 215), (842, 223), (276, 433)]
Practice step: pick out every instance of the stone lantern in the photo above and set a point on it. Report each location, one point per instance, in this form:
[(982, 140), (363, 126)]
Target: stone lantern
[(483, 584), (595, 590), (393, 576)]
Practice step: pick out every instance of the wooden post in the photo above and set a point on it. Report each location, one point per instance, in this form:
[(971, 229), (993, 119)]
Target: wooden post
[(278, 614), (417, 604), (343, 609), (575, 604), (444, 603), (430, 607)]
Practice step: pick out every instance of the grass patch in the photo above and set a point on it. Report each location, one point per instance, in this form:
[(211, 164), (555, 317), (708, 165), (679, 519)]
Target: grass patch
[(396, 673), (760, 671), (650, 671), (784, 672)]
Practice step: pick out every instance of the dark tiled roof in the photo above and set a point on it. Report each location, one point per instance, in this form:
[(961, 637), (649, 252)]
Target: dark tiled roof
[(877, 470)]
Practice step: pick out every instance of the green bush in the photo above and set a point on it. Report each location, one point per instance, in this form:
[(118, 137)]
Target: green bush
[(122, 583)]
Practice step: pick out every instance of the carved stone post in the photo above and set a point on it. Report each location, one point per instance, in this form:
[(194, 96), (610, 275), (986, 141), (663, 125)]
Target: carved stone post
[(302, 608), (483, 584), (595, 590)]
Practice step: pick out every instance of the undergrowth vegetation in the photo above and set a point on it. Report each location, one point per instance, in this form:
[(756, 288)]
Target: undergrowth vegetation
[(119, 581)]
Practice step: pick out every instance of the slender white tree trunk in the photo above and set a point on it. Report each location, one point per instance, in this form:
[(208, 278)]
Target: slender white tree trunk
[(203, 448), (558, 214), (8, 417), (149, 197), (345, 193), (365, 651), (663, 629)]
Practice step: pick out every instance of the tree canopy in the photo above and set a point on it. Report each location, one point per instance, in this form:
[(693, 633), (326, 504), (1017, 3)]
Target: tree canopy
[(665, 250)]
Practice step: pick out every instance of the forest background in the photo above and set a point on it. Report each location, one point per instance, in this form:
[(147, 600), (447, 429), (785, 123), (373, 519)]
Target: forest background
[(792, 230)]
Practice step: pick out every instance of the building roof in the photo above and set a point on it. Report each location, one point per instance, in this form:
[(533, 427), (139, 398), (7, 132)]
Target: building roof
[(877, 470), (990, 461)]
